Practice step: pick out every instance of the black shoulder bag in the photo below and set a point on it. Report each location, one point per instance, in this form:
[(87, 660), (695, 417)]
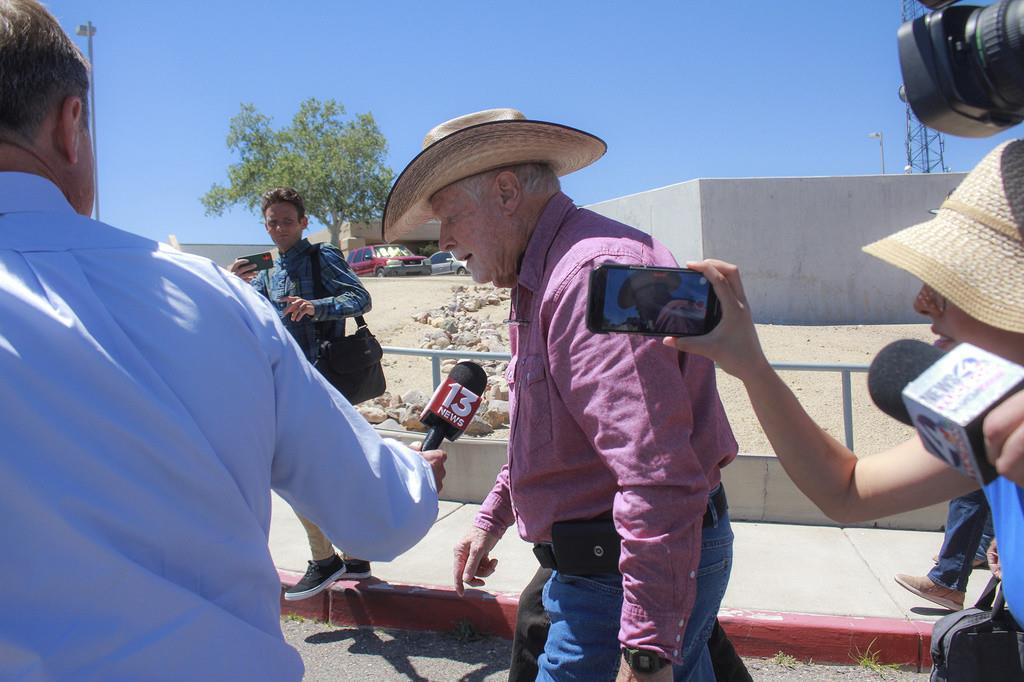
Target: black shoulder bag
[(351, 363), (978, 644)]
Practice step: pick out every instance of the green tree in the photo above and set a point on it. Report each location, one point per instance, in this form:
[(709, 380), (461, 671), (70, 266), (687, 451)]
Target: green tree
[(337, 165)]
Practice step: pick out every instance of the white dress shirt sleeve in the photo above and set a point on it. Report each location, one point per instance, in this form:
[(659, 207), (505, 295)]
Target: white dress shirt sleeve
[(375, 497)]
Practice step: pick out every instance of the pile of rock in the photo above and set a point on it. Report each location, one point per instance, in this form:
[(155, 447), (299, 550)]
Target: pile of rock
[(453, 326)]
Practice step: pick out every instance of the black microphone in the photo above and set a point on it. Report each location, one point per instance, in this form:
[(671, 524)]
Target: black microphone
[(893, 368), (453, 404), (945, 396)]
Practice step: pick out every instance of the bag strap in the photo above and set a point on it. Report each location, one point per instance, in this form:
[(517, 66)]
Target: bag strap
[(1001, 613), (988, 595), (993, 600), (320, 292)]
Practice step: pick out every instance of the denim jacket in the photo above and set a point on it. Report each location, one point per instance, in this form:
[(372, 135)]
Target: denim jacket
[(292, 275)]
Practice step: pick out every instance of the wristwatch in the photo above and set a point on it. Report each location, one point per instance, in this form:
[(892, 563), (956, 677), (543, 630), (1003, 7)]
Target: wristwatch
[(643, 661)]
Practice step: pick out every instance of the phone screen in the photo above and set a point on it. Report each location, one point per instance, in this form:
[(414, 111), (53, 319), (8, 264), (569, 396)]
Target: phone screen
[(654, 301)]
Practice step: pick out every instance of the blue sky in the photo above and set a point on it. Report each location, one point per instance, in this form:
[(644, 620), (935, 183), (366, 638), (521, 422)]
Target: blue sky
[(678, 89)]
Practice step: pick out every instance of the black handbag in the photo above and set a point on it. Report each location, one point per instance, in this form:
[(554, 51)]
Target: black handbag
[(979, 643), (350, 363)]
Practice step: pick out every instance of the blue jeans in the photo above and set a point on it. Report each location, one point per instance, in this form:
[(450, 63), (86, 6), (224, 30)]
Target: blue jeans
[(583, 642), (968, 534)]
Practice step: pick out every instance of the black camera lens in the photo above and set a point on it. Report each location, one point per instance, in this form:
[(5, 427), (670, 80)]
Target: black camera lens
[(996, 32), (963, 68)]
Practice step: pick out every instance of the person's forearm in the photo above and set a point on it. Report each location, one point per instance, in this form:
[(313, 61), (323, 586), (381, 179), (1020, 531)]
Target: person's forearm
[(495, 513), (846, 488), (820, 466), (340, 307)]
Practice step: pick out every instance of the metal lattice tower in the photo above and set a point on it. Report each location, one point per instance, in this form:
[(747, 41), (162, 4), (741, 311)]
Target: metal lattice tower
[(925, 147)]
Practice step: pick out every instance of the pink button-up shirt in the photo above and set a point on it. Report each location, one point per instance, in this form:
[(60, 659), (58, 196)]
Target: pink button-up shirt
[(608, 423)]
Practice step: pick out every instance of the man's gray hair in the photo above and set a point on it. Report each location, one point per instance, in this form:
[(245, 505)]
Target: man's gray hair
[(39, 67), (535, 178)]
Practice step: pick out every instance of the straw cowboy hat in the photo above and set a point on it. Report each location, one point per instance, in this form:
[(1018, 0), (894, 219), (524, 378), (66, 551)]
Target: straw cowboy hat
[(476, 143), (972, 251)]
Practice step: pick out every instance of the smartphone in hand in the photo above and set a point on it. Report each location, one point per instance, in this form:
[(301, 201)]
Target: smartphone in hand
[(262, 261), (653, 301)]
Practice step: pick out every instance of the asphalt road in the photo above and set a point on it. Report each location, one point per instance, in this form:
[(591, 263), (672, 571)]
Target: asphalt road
[(344, 653)]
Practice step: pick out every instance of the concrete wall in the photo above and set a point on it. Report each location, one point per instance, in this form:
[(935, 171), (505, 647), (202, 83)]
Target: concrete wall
[(756, 485), (796, 240), (671, 214)]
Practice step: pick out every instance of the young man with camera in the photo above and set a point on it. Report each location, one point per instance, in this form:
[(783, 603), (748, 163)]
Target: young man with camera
[(290, 285)]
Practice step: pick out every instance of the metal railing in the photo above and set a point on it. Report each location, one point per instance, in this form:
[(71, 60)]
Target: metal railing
[(845, 370)]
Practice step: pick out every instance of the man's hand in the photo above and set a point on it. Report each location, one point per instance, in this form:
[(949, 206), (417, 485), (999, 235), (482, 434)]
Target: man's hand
[(627, 674), (436, 459), (244, 269), (471, 560), (1004, 438), (298, 308)]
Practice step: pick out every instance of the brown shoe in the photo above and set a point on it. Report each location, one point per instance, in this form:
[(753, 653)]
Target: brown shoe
[(922, 586)]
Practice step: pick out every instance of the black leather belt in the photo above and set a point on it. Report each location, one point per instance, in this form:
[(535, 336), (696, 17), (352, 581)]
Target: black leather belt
[(602, 554)]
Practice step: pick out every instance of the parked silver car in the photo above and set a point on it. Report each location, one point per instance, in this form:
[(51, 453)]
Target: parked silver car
[(443, 263)]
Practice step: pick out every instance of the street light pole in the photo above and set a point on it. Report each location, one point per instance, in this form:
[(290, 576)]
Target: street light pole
[(881, 148), (88, 30)]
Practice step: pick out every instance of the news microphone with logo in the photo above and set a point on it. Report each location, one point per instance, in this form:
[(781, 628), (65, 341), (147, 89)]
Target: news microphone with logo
[(454, 403), (945, 396)]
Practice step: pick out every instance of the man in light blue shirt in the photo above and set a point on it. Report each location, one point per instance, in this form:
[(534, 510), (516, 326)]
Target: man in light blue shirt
[(151, 401)]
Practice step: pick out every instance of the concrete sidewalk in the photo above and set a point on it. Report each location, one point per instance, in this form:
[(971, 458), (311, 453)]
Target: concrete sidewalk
[(814, 592)]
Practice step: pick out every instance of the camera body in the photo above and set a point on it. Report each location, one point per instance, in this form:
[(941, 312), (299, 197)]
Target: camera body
[(963, 66)]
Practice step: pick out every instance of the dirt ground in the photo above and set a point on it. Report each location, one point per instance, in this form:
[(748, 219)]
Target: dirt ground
[(395, 300)]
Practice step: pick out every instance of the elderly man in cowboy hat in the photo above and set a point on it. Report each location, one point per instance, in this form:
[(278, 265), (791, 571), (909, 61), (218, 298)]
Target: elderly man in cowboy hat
[(617, 442), (970, 259)]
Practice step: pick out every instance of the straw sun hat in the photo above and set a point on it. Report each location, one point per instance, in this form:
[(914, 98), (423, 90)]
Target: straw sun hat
[(972, 251), (476, 143)]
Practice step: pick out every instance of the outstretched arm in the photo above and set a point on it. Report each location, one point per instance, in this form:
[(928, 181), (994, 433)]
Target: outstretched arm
[(843, 486)]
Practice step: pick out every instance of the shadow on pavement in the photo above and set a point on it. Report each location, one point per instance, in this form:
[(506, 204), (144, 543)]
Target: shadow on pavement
[(398, 647)]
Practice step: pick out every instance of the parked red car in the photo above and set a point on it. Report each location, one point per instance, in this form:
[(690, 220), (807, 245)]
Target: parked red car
[(387, 260)]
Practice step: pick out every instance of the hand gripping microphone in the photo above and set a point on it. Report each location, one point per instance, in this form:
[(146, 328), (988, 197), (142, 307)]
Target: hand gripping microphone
[(453, 404), (945, 396)]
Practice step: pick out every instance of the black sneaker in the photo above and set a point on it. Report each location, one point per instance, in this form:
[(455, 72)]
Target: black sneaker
[(316, 580), (356, 569)]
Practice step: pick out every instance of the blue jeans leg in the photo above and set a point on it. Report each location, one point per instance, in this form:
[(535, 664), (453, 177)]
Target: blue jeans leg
[(965, 523), (583, 642), (986, 540), (712, 579)]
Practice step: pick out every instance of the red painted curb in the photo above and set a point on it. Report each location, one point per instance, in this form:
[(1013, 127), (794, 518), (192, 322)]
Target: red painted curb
[(806, 636), (828, 639), (410, 607)]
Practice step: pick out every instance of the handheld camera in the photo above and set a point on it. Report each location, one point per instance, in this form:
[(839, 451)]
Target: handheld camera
[(963, 66)]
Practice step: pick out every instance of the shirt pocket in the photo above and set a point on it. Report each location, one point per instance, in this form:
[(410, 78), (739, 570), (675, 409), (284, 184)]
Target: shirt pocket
[(280, 286), (533, 402)]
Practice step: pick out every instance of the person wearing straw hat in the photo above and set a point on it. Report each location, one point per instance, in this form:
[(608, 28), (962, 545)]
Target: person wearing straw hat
[(970, 258), (610, 429)]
